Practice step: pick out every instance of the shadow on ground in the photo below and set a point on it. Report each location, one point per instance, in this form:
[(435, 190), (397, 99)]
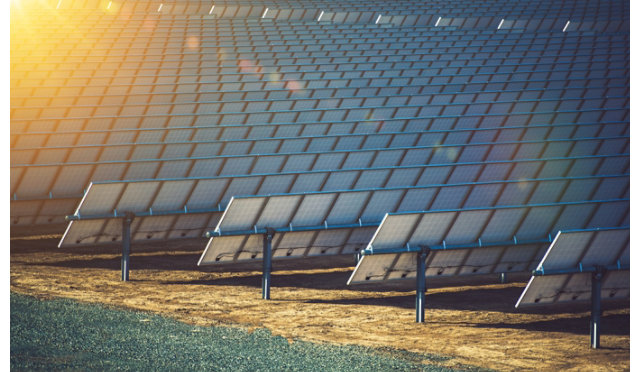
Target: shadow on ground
[(472, 293)]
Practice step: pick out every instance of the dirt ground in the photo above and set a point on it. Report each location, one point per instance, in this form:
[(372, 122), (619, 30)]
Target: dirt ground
[(472, 320)]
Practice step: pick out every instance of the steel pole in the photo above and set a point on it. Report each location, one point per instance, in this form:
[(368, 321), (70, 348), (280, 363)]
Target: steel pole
[(266, 264), (421, 283), (126, 245), (503, 278), (596, 306)]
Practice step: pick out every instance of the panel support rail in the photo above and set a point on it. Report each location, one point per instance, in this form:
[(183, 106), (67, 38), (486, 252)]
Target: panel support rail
[(421, 282), (267, 238)]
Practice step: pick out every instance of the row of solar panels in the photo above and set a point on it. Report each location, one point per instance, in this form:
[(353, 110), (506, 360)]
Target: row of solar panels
[(347, 81), (332, 210), (336, 97), (302, 160), (365, 67), (566, 261), (476, 63), (249, 71), (518, 235), (453, 95), (332, 67), (454, 92), (332, 5), (57, 178), (547, 102), (266, 111), (256, 34), (452, 145), (461, 17), (167, 29), (168, 33), (32, 131), (140, 27), (465, 242), (346, 95), (292, 123), (361, 62), (63, 132), (217, 191), (197, 60), (360, 46), (38, 211), (319, 142), (256, 112)]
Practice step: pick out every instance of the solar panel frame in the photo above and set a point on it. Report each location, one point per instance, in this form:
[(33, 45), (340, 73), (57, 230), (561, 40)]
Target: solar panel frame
[(451, 253), (564, 273)]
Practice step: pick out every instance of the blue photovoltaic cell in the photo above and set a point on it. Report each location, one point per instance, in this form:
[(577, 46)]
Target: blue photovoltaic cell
[(278, 212), (467, 227), (342, 180), (313, 209), (347, 208), (483, 196), (241, 186), (275, 184), (380, 202)]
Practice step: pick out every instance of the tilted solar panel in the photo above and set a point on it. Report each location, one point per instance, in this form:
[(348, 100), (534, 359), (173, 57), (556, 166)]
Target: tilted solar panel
[(564, 273), (474, 241), (350, 208)]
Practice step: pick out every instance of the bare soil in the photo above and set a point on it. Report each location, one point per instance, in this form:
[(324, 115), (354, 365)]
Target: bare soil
[(471, 320)]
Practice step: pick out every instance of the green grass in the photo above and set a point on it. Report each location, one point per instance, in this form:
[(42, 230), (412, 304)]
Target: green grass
[(67, 335)]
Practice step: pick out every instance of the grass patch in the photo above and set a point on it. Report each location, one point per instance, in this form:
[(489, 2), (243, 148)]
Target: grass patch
[(66, 335)]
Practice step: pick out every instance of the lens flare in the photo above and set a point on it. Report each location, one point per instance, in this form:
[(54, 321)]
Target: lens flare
[(275, 77), (193, 42), (247, 66), (292, 85)]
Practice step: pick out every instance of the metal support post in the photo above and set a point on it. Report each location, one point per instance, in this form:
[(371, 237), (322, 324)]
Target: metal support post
[(126, 245), (596, 306), (266, 263), (503, 278), (421, 283)]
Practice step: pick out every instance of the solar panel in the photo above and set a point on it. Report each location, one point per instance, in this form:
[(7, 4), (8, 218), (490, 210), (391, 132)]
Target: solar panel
[(462, 241), (214, 193), (564, 274)]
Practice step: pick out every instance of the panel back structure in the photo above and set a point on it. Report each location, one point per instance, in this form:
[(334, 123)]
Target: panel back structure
[(475, 241), (247, 216), (582, 265), (564, 273)]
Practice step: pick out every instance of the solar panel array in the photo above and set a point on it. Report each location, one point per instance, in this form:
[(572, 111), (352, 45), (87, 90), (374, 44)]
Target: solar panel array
[(318, 119), (116, 91)]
